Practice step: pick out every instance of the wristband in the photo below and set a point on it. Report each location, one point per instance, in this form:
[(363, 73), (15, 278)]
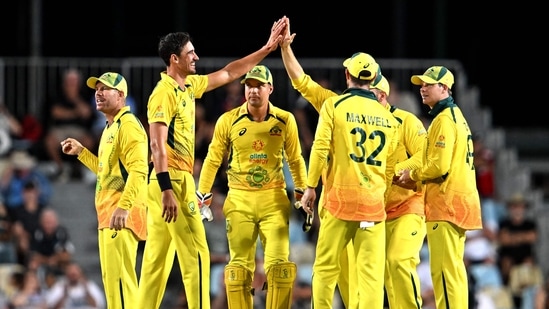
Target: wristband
[(164, 181)]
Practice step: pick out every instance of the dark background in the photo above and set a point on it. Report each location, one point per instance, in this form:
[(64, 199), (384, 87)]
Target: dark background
[(427, 29)]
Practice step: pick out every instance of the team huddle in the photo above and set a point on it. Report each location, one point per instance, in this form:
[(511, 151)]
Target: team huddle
[(386, 183)]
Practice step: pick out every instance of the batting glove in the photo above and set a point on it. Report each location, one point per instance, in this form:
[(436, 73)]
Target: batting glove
[(308, 219), (204, 202)]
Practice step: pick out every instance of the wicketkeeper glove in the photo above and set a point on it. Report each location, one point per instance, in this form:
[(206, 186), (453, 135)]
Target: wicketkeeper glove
[(204, 202), (308, 219)]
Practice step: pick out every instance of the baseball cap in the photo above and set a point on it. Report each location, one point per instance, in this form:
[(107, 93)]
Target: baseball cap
[(435, 75), (362, 66), (260, 73), (381, 83), (111, 79)]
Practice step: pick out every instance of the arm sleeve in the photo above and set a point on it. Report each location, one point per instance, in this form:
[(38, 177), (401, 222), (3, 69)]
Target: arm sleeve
[(89, 160), (134, 151), (392, 158), (414, 136), (442, 137), (296, 162), (312, 91)]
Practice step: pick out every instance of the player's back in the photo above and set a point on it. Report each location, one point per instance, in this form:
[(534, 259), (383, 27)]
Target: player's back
[(364, 134)]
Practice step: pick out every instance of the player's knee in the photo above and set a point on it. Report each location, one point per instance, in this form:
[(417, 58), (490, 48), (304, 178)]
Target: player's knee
[(280, 282), (238, 283)]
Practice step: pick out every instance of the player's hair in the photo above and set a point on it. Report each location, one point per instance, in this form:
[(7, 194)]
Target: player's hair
[(360, 82), (172, 43)]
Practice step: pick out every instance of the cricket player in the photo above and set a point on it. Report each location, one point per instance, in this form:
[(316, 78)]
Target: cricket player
[(452, 202), (121, 168), (174, 219), (354, 141), (255, 138), (315, 94)]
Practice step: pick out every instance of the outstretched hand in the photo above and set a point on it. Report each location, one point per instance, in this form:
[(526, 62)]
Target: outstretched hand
[(276, 34), (287, 35)]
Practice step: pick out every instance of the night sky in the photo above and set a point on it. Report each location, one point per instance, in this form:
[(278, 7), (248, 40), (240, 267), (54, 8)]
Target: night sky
[(443, 29)]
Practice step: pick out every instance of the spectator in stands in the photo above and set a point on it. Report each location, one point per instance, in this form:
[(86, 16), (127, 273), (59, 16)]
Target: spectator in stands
[(26, 220), (50, 244), (18, 133), (31, 135), (71, 115), (74, 290), (525, 280), (15, 282), (492, 210), (486, 281), (23, 169), (28, 291), (517, 236), (50, 277)]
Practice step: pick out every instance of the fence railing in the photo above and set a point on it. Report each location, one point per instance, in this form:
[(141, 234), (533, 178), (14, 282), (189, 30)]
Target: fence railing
[(27, 85)]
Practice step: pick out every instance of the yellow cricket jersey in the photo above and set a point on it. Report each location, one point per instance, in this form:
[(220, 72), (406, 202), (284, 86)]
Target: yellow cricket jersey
[(254, 150), (355, 139), (409, 155), (175, 107), (448, 171), (413, 135), (121, 167)]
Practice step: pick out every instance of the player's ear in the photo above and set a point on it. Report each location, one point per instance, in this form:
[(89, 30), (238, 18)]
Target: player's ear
[(174, 58)]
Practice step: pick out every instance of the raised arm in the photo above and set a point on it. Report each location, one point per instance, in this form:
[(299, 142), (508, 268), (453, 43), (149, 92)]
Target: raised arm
[(293, 68)]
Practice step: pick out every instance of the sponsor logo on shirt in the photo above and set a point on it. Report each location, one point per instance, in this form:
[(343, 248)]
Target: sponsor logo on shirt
[(276, 131)]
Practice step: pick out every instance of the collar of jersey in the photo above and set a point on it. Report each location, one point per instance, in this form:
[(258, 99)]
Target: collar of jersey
[(361, 92), (244, 110), (442, 105)]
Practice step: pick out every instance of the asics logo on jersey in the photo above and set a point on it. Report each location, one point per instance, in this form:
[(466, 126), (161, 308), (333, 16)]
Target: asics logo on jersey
[(435, 226), (114, 234), (242, 132), (414, 233)]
